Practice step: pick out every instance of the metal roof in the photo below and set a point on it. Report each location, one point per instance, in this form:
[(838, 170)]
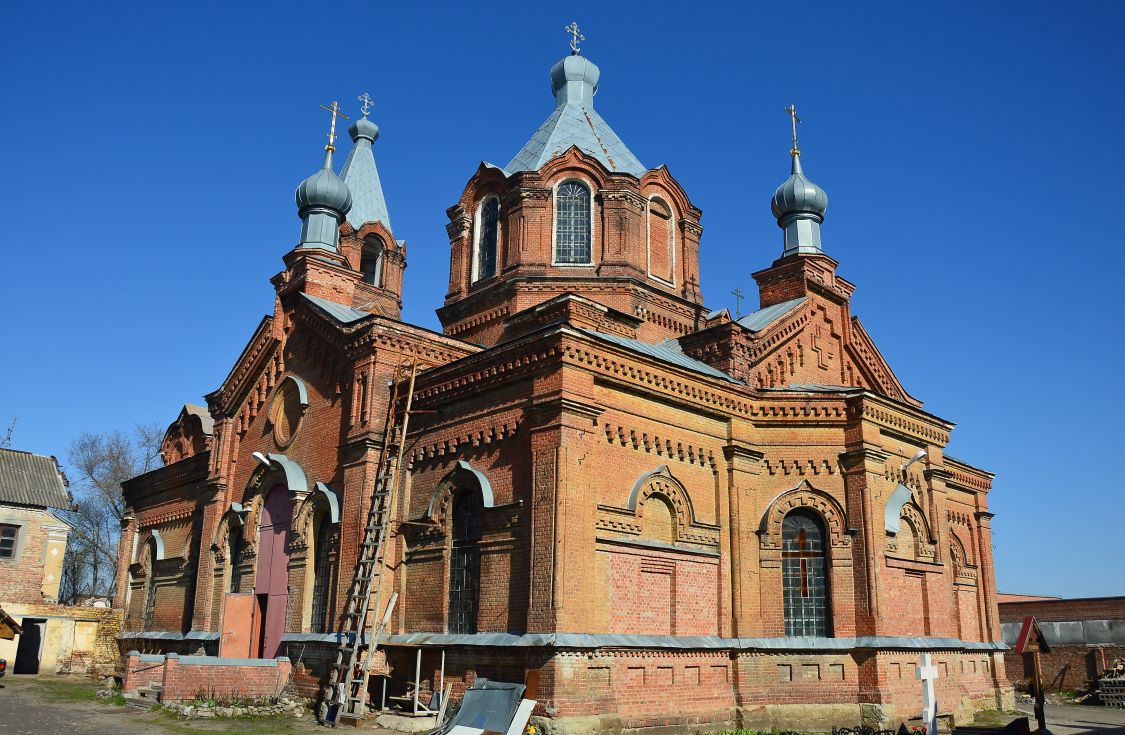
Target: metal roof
[(574, 82), (362, 177), (205, 420), (576, 125), (667, 351), (32, 479), (339, 312), (762, 318)]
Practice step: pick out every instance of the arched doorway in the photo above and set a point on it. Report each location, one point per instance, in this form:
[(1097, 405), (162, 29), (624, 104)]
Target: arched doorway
[(271, 580)]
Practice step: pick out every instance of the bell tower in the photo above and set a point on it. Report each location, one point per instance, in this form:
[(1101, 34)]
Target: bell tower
[(574, 212), (347, 253)]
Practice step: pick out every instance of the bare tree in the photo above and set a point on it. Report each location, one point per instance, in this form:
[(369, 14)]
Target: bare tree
[(99, 463)]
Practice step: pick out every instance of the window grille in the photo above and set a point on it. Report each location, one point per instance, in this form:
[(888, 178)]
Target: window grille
[(572, 223), (8, 535), (322, 575), (803, 575), (371, 261), (489, 235), (464, 563), (150, 591), (236, 560)]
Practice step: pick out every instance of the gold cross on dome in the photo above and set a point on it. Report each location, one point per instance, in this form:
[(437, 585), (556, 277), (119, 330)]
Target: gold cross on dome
[(792, 110), (335, 110), (576, 37)]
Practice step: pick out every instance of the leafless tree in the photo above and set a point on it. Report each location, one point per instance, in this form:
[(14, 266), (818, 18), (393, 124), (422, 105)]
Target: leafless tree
[(99, 463)]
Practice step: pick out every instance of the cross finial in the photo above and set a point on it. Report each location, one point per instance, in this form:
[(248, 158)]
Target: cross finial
[(335, 110), (576, 37), (792, 110), (737, 294), (365, 103)]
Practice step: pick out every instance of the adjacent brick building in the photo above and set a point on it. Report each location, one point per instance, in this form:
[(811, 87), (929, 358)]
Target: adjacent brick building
[(679, 518), (1085, 635)]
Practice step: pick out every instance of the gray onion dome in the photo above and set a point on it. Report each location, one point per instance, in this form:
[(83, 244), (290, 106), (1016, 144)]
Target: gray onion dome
[(364, 128), (324, 189), (799, 196)]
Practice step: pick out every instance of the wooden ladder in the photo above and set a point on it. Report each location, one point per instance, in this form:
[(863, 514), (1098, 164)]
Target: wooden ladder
[(352, 668)]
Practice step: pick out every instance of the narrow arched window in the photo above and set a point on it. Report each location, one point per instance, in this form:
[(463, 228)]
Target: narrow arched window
[(661, 240), (371, 260), (803, 574), (235, 548), (149, 606), (488, 230), (464, 562), (572, 223), (322, 574)]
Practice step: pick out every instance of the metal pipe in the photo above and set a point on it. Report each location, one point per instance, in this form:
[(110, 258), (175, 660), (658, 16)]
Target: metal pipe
[(417, 677), (441, 687)]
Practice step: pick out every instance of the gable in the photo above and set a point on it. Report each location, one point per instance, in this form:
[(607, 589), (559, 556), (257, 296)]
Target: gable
[(813, 341)]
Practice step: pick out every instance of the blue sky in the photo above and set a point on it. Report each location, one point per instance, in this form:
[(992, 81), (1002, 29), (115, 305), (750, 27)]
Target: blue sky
[(972, 154)]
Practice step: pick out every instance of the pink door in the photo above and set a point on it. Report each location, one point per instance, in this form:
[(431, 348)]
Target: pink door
[(271, 583)]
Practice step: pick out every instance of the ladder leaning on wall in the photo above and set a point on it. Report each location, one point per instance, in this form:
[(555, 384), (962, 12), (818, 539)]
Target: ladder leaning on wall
[(354, 656)]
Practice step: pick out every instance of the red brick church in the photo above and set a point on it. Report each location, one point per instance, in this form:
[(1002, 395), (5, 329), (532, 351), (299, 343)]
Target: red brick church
[(678, 518)]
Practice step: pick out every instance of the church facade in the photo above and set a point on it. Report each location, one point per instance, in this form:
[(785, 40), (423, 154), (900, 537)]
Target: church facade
[(678, 518)]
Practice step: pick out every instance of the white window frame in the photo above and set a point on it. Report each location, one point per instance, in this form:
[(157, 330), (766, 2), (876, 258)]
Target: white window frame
[(478, 222), (554, 222), (671, 245), (380, 262)]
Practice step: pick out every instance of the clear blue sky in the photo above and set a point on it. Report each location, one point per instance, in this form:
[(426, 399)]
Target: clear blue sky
[(972, 154)]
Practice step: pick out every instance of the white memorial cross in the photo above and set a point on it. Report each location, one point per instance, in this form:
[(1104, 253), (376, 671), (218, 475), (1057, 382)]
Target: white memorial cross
[(927, 673)]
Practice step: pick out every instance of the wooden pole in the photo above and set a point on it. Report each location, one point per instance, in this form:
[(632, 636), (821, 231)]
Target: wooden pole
[(1037, 676)]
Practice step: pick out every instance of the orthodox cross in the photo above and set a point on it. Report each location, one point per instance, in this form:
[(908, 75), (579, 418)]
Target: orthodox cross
[(576, 37), (335, 110), (365, 103), (927, 673), (737, 294), (792, 110), (804, 553)]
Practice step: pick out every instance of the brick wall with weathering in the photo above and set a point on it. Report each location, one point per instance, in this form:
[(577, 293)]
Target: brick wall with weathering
[(1086, 635)]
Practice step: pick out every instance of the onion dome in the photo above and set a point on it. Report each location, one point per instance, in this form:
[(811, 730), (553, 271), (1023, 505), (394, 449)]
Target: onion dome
[(799, 206), (364, 128), (324, 190), (799, 195), (574, 80)]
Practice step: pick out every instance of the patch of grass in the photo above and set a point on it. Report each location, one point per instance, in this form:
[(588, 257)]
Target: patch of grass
[(64, 689), (995, 717)]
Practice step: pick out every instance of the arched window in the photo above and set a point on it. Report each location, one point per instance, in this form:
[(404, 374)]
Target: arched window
[(149, 606), (572, 223), (464, 562), (803, 574), (661, 240), (189, 573), (488, 230), (322, 574), (371, 260), (235, 549)]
